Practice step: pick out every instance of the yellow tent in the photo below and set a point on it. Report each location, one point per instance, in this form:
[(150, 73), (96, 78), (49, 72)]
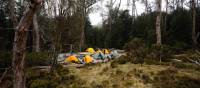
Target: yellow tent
[(88, 59), (105, 51), (90, 50), (72, 59), (99, 51)]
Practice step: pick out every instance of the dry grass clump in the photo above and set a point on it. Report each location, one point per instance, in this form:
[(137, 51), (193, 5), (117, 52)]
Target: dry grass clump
[(123, 76)]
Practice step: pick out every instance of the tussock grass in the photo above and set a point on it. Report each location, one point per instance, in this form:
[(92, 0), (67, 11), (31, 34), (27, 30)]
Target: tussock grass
[(137, 76), (126, 75)]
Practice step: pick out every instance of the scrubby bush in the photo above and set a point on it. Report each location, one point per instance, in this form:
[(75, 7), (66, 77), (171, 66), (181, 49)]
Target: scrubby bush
[(37, 59), (137, 50), (39, 83), (120, 60), (60, 76), (160, 53), (31, 59), (186, 66), (113, 64), (170, 78)]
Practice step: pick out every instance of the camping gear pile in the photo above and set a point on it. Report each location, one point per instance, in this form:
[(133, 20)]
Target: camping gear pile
[(91, 56)]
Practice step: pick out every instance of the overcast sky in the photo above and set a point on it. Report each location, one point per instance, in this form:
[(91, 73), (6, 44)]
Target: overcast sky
[(95, 16)]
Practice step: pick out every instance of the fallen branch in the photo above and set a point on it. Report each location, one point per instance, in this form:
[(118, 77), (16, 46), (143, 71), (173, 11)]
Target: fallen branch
[(197, 52), (195, 62)]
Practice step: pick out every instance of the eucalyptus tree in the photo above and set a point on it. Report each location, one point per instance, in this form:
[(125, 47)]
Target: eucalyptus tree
[(12, 5), (147, 6), (86, 7), (19, 45), (110, 7), (195, 35), (36, 34), (134, 9), (158, 23)]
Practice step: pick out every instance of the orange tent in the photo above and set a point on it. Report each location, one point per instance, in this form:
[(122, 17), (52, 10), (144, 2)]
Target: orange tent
[(72, 59), (87, 59)]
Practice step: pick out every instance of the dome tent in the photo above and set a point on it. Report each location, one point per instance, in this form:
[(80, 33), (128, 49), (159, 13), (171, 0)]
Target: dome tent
[(72, 59), (90, 50), (87, 59)]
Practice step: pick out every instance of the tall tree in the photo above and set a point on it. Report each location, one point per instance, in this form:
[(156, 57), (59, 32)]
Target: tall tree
[(127, 4), (36, 34), (158, 23), (194, 34), (134, 9), (19, 45), (146, 3), (182, 3), (166, 8), (12, 12), (86, 7), (110, 20)]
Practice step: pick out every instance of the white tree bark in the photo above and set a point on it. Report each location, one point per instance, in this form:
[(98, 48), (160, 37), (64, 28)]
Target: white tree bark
[(166, 8), (158, 23), (12, 12), (36, 34), (134, 10), (194, 35)]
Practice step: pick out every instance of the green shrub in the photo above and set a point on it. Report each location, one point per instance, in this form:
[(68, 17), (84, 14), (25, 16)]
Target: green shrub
[(186, 65), (39, 83), (32, 59), (155, 62), (137, 50), (163, 53), (165, 78), (5, 59), (58, 78), (120, 60), (187, 82), (37, 59), (169, 78), (134, 44)]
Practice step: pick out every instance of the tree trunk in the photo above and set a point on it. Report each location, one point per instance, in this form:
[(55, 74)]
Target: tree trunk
[(158, 23), (146, 6), (83, 30), (194, 36), (133, 10), (127, 4), (12, 12), (19, 45), (82, 37), (165, 29), (36, 34), (82, 40), (182, 3), (110, 23)]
